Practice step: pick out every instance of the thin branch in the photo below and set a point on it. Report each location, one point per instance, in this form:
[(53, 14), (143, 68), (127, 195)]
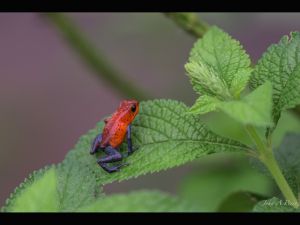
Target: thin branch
[(189, 22), (94, 58)]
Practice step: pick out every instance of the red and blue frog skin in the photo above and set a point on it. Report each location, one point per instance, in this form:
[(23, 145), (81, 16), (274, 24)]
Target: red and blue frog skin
[(113, 134)]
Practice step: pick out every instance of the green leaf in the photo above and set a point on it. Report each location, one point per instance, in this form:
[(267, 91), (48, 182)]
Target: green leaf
[(35, 194), (205, 80), (207, 187), (254, 108), (140, 201), (219, 56), (204, 104), (224, 125), (165, 137), (281, 66), (240, 201), (77, 185), (274, 205)]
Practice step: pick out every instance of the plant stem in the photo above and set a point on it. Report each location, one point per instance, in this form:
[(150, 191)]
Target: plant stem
[(94, 58), (284, 187), (256, 139), (189, 22), (267, 157)]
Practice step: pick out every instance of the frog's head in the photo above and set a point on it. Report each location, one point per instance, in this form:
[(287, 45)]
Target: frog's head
[(129, 109)]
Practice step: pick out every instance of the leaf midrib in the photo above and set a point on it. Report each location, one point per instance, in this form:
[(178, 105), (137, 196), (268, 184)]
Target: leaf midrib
[(189, 140)]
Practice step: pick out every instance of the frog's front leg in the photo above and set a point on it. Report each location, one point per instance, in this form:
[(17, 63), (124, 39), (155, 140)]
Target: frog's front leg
[(96, 144), (113, 155), (129, 143)]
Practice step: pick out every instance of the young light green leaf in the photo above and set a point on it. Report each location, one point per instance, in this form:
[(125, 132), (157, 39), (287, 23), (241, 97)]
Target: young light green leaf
[(204, 104), (274, 205), (140, 201), (35, 194), (224, 55), (240, 81), (281, 66), (165, 137), (254, 108), (205, 80)]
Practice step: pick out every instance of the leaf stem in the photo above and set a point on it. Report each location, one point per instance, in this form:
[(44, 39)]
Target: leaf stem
[(94, 58), (266, 156)]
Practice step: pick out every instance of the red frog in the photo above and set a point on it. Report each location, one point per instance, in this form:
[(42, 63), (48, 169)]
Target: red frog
[(113, 135)]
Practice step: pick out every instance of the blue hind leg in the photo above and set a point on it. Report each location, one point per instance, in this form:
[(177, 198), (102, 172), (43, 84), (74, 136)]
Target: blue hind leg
[(96, 144), (113, 155)]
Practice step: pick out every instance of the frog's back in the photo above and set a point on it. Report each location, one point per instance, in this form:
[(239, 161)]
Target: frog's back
[(113, 132), (115, 127)]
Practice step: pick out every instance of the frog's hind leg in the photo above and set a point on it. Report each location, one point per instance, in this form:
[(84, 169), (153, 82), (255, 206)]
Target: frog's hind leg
[(112, 156), (96, 144)]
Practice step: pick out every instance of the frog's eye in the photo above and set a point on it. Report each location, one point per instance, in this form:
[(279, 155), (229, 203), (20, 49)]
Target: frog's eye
[(133, 108)]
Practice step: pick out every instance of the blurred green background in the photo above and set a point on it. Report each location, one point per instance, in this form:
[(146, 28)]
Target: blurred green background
[(49, 97)]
